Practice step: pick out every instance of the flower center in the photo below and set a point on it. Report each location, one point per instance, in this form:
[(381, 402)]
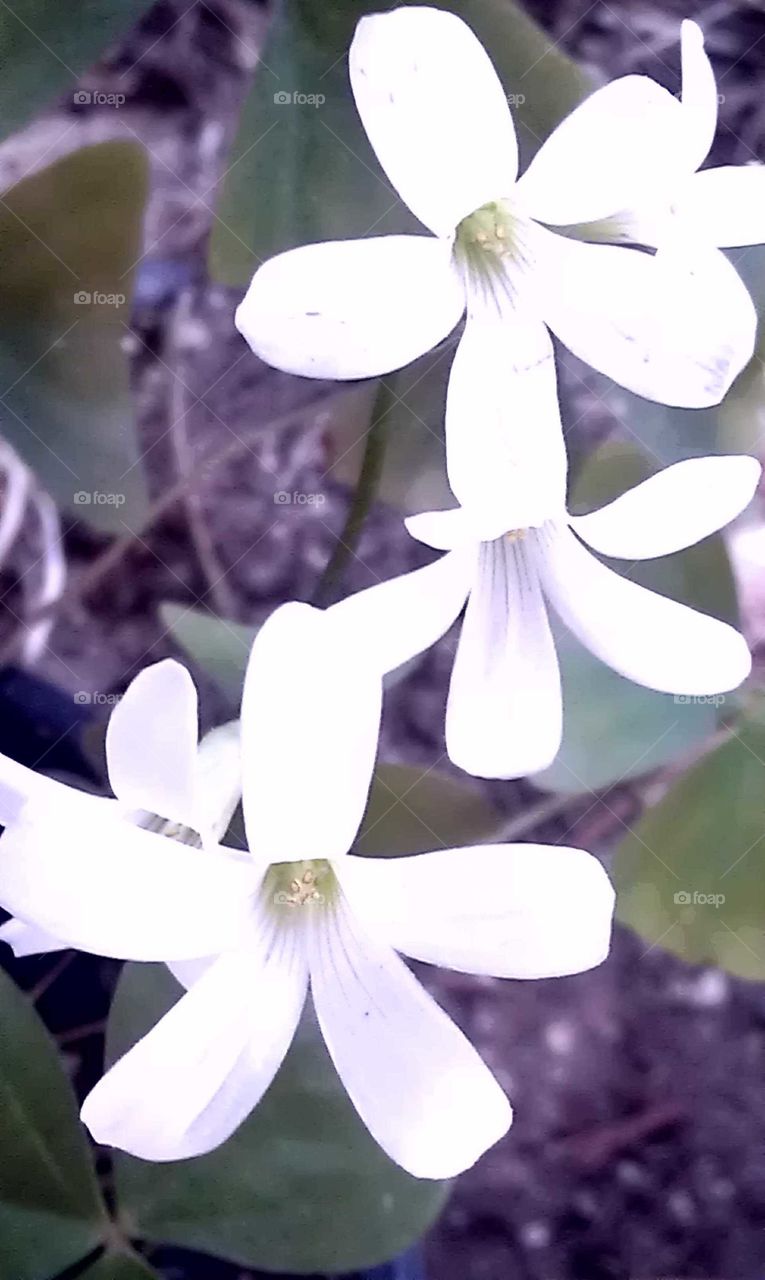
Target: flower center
[(300, 884), (515, 535), (489, 234), (489, 252)]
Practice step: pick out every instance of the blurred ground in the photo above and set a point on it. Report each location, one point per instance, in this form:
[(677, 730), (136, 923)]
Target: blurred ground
[(639, 1145)]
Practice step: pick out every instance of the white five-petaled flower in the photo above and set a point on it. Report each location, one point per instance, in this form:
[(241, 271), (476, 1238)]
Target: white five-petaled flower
[(672, 328), (306, 912), (165, 786), (504, 710), (722, 206)]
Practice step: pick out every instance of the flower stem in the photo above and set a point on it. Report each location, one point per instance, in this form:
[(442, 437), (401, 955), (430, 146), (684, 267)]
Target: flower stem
[(329, 587)]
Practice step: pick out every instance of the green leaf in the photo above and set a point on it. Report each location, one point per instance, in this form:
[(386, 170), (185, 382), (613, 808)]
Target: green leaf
[(689, 878), (302, 171), (74, 232), (46, 45), (120, 1266), (300, 1187), (217, 645), (614, 729), (413, 810), (51, 1213)]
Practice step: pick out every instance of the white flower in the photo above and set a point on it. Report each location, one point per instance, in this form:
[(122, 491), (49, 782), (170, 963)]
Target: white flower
[(166, 786), (721, 206), (673, 330), (310, 720), (504, 711)]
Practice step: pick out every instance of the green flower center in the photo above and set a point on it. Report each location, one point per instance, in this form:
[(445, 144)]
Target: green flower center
[(289, 885), (488, 249)]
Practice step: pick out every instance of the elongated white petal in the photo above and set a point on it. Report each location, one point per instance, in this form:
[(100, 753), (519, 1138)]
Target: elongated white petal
[(505, 452), (644, 636), (106, 886), (417, 1083), (671, 327), (20, 785), (674, 509), (189, 1084), (725, 206), (310, 720), (511, 910), (503, 716), (151, 743), (447, 530), (187, 972), (619, 147), (435, 113), (27, 940), (218, 779), (699, 95), (401, 617), (352, 308)]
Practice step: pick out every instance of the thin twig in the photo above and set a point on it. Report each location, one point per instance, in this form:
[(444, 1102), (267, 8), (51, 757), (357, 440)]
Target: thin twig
[(199, 531), (46, 982), (81, 587), (330, 584)]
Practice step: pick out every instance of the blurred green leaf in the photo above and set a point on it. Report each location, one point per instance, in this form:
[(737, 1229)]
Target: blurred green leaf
[(46, 45), (614, 729), (300, 1187), (413, 810), (217, 645), (690, 878), (735, 426), (69, 237), (120, 1267), (312, 159), (51, 1213)]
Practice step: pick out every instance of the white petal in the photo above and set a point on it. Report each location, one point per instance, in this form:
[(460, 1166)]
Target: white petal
[(417, 1083), (726, 206), (106, 886), (620, 146), (674, 509), (310, 720), (19, 785), (151, 743), (644, 636), (187, 972), (699, 96), (397, 619), (505, 452), (447, 530), (26, 940), (672, 328), (218, 779), (511, 910), (352, 308), (503, 716), (435, 113), (189, 1084)]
